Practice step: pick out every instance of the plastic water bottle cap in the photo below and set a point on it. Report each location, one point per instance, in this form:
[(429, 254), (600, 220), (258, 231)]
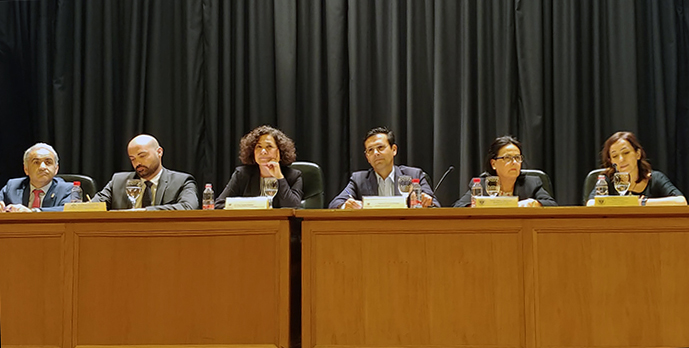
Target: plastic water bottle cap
[(77, 183), (477, 179), (209, 185)]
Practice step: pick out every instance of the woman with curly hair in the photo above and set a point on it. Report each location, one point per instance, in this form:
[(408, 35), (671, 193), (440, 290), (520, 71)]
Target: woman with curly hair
[(265, 152)]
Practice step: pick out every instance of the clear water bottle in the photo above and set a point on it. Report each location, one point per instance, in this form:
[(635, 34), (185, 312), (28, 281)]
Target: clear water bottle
[(476, 190), (601, 186), (77, 193), (208, 198), (416, 190)]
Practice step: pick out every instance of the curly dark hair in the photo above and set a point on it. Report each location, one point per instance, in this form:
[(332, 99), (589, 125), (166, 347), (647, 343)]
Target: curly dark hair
[(642, 163), (495, 147), (288, 153)]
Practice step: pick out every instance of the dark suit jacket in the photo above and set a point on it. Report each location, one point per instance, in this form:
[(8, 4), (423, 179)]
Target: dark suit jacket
[(246, 182), (17, 191), (365, 183), (176, 191), (525, 187)]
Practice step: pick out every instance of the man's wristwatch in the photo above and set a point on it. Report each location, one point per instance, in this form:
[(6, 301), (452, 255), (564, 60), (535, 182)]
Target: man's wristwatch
[(643, 201)]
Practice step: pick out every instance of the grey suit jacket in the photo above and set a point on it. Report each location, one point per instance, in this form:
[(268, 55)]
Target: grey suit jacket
[(176, 191), (365, 183)]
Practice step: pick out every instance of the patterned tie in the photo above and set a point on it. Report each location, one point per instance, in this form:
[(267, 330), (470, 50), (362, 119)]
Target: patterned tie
[(146, 199), (36, 198)]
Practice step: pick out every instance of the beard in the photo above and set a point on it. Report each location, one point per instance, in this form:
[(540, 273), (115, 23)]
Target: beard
[(143, 171)]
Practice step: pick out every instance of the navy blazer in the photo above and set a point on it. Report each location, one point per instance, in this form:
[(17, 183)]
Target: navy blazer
[(525, 187), (365, 183), (17, 191), (245, 182)]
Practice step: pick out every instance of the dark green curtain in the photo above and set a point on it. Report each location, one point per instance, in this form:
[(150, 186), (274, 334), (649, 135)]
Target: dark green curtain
[(448, 76)]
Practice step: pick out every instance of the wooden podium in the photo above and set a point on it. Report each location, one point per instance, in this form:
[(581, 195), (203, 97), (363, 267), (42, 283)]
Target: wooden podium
[(503, 277), (145, 278)]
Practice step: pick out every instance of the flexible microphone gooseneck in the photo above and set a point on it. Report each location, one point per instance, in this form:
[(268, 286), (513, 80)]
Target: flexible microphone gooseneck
[(451, 168)]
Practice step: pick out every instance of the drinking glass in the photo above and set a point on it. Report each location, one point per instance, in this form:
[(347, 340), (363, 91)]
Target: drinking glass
[(133, 189), (622, 182), (270, 187), (493, 185), (404, 185)]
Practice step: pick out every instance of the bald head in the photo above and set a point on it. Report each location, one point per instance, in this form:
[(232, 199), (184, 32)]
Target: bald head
[(144, 140), (146, 156)]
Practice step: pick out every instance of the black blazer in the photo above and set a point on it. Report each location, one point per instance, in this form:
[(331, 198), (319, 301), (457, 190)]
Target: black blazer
[(659, 186), (525, 187), (365, 183), (246, 182)]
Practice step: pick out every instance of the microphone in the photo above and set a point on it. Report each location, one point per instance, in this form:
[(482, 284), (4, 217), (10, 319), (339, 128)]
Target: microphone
[(451, 168), (614, 166)]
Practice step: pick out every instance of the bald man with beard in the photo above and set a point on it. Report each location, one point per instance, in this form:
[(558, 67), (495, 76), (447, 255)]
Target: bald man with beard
[(164, 189)]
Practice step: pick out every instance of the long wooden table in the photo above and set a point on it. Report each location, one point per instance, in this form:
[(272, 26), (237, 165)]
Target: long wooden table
[(503, 277), (145, 278), (551, 277)]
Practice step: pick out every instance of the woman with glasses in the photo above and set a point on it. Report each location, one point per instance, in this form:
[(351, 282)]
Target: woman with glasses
[(504, 160), (266, 153), (622, 152)]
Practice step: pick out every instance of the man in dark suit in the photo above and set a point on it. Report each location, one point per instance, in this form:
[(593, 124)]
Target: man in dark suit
[(164, 189), (40, 190), (380, 150)]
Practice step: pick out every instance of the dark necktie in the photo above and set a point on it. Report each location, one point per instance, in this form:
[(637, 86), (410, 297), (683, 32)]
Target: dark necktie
[(146, 199)]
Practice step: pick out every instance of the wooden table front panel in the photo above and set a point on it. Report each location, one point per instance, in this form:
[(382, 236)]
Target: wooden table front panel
[(389, 283), (146, 278), (31, 283), (200, 284), (504, 277), (612, 282)]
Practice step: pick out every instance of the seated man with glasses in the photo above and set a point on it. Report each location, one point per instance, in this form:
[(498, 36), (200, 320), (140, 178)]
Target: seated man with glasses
[(504, 160), (380, 150)]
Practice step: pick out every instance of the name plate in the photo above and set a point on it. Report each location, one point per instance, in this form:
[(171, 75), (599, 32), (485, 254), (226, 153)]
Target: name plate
[(497, 202), (246, 203), (616, 201), (384, 202), (86, 206)]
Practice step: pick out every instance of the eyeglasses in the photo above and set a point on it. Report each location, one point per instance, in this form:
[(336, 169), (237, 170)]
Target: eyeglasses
[(509, 158), (371, 150)]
